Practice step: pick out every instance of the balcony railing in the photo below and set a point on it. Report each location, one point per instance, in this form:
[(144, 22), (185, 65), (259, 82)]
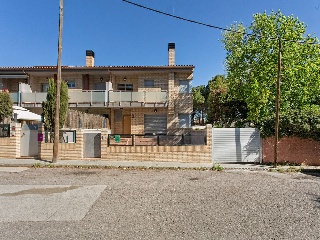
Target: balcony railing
[(94, 97)]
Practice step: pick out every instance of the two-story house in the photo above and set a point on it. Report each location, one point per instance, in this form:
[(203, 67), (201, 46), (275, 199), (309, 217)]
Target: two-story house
[(135, 99)]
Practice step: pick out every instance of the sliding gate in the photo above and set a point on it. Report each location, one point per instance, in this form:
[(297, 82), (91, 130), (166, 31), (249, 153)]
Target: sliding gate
[(236, 145)]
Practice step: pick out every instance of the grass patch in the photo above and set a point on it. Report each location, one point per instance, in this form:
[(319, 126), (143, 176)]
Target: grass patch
[(217, 167)]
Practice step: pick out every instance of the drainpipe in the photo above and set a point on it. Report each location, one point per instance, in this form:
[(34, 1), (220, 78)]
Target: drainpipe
[(19, 95)]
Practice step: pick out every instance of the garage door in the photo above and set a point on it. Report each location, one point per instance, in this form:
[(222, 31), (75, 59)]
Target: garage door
[(155, 123)]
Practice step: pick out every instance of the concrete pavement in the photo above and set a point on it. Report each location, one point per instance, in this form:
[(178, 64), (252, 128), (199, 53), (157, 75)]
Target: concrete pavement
[(30, 162)]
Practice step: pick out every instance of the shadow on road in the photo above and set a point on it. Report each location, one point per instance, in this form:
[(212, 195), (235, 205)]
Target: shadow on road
[(311, 172)]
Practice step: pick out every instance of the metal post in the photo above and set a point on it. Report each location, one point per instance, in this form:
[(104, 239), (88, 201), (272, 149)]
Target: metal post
[(277, 106)]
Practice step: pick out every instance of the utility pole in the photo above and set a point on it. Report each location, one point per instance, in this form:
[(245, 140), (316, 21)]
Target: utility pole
[(276, 138), (58, 83)]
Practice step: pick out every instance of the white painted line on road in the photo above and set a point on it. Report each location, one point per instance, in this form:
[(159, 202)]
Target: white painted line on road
[(46, 202)]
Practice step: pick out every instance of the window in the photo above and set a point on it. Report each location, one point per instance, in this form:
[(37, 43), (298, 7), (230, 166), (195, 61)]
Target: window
[(148, 83), (44, 87), (184, 86), (184, 120), (67, 136), (71, 84), (125, 87)]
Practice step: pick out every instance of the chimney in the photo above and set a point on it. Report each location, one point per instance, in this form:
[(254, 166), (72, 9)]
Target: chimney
[(89, 58), (171, 51)]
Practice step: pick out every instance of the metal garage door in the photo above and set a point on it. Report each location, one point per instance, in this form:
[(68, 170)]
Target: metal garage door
[(236, 145), (92, 143), (155, 123)]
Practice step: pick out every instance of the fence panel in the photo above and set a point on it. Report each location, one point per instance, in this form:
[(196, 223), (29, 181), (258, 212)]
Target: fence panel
[(236, 145)]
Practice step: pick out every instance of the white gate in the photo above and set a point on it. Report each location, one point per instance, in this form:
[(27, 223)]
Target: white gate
[(29, 140), (236, 145), (92, 143)]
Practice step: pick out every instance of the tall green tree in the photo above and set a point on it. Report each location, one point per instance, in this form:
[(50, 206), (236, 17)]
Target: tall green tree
[(200, 96), (49, 106), (223, 110), (251, 65), (5, 105)]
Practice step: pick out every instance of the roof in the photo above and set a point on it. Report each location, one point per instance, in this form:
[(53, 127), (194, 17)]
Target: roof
[(115, 70), (96, 67)]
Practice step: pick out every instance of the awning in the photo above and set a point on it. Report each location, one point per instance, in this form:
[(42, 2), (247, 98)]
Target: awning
[(25, 114)]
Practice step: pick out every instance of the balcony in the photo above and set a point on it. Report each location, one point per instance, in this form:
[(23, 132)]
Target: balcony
[(97, 98)]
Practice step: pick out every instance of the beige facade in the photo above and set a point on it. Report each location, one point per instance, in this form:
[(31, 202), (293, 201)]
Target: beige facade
[(125, 95)]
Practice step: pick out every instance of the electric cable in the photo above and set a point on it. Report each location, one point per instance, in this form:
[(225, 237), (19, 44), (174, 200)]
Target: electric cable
[(213, 26)]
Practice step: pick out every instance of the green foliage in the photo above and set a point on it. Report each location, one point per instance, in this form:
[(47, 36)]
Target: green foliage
[(200, 95), (5, 105), (223, 110), (64, 103), (251, 64), (49, 107), (217, 167)]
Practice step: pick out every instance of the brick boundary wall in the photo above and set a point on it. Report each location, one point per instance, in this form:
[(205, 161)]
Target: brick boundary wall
[(193, 153), (67, 151), (292, 150), (70, 151), (10, 146)]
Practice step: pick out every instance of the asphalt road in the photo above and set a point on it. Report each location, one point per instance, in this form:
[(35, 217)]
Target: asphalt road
[(64, 203)]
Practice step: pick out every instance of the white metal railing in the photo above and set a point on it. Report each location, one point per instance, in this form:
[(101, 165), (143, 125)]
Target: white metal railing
[(94, 96)]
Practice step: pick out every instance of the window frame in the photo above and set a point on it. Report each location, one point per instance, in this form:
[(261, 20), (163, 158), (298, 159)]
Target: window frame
[(185, 86), (151, 85), (125, 89), (44, 87), (72, 82), (184, 120)]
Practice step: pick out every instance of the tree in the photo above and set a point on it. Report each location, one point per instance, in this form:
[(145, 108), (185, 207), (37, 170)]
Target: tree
[(200, 95), (49, 106), (223, 110), (5, 105), (251, 65)]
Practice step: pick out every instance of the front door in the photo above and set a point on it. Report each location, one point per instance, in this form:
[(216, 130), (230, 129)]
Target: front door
[(126, 124)]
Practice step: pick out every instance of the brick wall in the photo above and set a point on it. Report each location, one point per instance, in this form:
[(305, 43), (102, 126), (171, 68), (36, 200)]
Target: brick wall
[(10, 146), (35, 82), (67, 151), (292, 150), (197, 153)]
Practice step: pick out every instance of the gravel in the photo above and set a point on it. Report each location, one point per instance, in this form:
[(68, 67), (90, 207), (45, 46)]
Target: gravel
[(179, 204)]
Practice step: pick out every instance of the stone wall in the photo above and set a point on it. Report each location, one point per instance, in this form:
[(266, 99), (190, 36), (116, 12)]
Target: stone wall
[(292, 150)]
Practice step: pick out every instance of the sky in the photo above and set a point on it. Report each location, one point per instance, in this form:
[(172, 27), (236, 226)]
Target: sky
[(121, 34)]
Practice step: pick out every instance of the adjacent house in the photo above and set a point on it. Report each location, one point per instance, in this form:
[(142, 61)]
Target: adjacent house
[(135, 99)]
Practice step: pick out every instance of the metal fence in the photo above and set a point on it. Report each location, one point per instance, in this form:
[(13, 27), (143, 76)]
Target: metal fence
[(153, 140)]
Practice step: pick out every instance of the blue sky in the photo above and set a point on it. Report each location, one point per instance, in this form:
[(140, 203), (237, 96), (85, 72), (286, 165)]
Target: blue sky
[(125, 35)]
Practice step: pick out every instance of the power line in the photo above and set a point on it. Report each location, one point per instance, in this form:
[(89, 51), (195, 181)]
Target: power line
[(213, 26), (188, 20)]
